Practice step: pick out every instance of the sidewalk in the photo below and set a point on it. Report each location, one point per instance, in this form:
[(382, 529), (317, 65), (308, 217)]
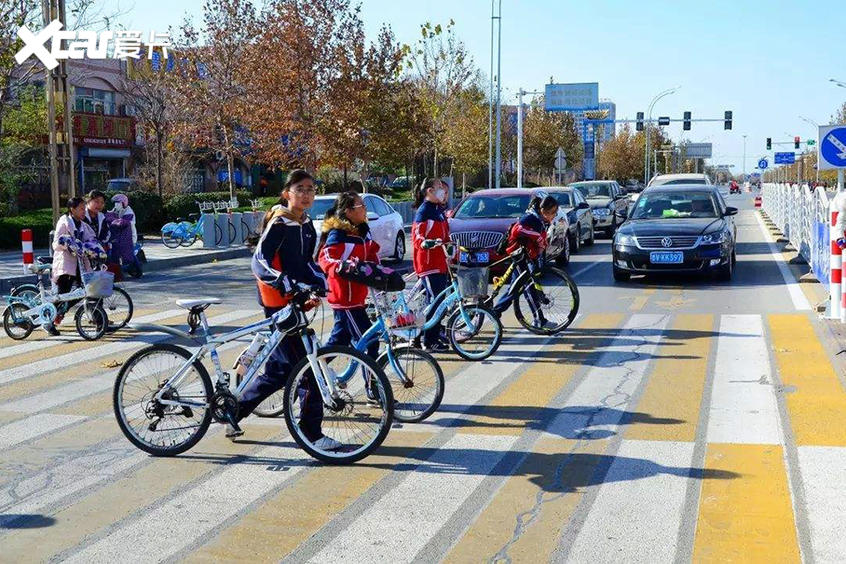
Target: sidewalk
[(159, 257)]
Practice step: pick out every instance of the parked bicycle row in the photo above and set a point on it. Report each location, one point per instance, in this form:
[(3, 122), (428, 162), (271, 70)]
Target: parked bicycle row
[(339, 397)]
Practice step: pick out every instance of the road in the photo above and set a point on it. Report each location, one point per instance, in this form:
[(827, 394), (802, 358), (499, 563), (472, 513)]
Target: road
[(677, 420)]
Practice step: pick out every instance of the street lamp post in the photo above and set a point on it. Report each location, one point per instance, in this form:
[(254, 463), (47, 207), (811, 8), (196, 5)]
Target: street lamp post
[(816, 129), (498, 158), (648, 124), (520, 94), (744, 158)]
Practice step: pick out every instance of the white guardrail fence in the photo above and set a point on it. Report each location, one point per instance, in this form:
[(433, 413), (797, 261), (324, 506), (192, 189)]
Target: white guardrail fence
[(805, 217)]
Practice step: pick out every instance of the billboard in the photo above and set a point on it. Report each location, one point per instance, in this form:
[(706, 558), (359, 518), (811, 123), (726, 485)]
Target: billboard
[(697, 151), (572, 97)]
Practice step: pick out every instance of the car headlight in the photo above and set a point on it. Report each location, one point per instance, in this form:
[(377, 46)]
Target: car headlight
[(715, 237), (622, 239), (601, 212)]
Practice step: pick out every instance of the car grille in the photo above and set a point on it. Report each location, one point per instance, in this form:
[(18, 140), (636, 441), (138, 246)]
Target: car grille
[(657, 242), (477, 239)]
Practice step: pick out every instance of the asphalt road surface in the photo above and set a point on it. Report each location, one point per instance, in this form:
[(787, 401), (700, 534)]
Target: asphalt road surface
[(677, 419)]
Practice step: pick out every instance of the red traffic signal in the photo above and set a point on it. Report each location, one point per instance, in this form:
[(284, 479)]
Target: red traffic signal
[(796, 141)]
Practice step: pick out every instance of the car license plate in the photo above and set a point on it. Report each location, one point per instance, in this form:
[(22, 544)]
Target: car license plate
[(480, 257), (672, 257)]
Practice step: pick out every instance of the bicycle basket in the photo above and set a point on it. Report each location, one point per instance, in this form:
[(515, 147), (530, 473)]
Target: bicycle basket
[(404, 316), (98, 283), (472, 281)]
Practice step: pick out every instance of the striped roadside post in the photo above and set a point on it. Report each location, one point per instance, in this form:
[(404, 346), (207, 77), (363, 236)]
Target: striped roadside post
[(836, 266), (26, 247)]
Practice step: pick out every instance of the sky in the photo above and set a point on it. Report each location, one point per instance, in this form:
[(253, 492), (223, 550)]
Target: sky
[(769, 62)]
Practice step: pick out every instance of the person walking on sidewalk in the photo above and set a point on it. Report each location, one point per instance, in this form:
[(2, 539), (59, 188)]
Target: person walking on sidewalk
[(95, 202)]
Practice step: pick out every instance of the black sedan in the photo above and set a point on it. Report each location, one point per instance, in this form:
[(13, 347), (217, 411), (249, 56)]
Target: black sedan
[(677, 229)]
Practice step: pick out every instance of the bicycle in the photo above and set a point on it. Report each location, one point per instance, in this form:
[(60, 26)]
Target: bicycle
[(421, 379), (468, 324), (164, 399), (548, 293), (185, 233), (118, 306)]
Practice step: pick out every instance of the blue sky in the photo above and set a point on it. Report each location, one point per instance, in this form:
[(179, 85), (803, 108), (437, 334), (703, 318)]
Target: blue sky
[(767, 61)]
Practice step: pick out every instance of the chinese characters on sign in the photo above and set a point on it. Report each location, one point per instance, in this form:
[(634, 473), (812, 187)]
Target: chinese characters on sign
[(572, 97), (103, 131), (79, 44)]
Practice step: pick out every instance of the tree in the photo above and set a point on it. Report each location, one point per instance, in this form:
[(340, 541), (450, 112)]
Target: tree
[(543, 133), (209, 93), (622, 156), (466, 138)]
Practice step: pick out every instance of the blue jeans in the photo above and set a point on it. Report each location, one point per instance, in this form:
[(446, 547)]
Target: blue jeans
[(434, 284)]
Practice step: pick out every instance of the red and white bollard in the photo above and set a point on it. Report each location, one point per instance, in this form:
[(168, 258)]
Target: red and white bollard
[(26, 247), (836, 268), (757, 201)]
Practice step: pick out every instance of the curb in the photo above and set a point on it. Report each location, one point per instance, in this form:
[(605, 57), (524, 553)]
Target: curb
[(6, 284)]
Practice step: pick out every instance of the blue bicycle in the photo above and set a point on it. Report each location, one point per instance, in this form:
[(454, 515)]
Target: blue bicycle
[(185, 233), (420, 378)]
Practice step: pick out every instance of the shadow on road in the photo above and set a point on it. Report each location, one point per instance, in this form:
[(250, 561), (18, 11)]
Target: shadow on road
[(25, 521)]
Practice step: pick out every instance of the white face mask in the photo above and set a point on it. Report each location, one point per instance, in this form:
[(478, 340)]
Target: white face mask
[(118, 207), (440, 194)]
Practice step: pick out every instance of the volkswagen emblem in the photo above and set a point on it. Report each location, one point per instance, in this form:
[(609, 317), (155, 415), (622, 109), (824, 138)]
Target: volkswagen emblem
[(666, 242)]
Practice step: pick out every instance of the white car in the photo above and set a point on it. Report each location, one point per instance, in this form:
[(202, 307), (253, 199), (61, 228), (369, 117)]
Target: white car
[(686, 178), (386, 225)]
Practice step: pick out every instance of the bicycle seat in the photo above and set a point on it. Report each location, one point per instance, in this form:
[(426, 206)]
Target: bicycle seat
[(193, 216), (39, 268), (44, 260), (180, 219), (198, 302)]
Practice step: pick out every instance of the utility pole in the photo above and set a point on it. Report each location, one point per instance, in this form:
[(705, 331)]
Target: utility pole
[(744, 158), (520, 94), (58, 95), (498, 159)]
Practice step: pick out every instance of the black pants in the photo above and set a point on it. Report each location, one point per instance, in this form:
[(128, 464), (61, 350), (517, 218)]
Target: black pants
[(532, 296), (278, 367), (64, 284)]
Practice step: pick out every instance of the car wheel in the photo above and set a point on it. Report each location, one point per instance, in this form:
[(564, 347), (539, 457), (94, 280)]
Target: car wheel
[(725, 273), (621, 276), (613, 228), (577, 240), (399, 246), (564, 258), (590, 240)]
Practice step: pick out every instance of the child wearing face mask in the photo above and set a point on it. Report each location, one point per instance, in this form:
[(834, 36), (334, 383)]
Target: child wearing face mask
[(431, 264)]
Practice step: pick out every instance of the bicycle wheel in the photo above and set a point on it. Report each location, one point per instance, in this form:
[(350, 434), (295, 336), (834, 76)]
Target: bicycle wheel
[(162, 430), (15, 323), (559, 304), (170, 240), (418, 391), (480, 339), (189, 239), (26, 291), (91, 320), (272, 406), (119, 308), (359, 424)]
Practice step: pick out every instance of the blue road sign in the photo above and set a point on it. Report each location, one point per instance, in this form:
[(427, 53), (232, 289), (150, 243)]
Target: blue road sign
[(832, 147), (763, 164), (785, 158)]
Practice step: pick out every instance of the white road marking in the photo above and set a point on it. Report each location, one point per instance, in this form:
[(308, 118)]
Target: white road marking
[(32, 427), (743, 404), (586, 268), (824, 483), (800, 302), (396, 528), (638, 510)]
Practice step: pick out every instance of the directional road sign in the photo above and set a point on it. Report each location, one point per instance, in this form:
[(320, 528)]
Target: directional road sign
[(763, 164), (832, 147), (560, 160), (785, 158)]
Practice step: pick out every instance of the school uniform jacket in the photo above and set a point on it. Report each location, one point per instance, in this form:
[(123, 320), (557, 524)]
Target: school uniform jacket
[(529, 232), (345, 241), (429, 223)]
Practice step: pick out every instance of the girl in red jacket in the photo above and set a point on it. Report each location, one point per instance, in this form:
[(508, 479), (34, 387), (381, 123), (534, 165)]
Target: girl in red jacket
[(431, 264), (346, 236)]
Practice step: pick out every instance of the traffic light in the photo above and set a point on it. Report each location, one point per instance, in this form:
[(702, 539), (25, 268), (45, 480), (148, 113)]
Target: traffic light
[(727, 124), (686, 125), (796, 141), (769, 143), (639, 124)]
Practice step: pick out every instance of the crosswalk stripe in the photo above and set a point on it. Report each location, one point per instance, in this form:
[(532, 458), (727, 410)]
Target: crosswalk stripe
[(638, 510), (747, 512), (403, 520), (668, 409), (816, 403), (599, 402), (27, 429), (824, 483), (163, 530), (743, 403), (54, 343), (305, 506), (48, 364), (145, 486)]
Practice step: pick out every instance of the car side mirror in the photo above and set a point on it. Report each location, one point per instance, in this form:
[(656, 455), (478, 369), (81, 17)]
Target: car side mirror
[(372, 216), (583, 206), (730, 211)]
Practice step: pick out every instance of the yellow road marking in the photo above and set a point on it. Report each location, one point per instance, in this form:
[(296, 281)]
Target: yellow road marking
[(283, 522), (535, 480), (521, 403), (749, 517), (669, 407), (816, 401), (639, 302)]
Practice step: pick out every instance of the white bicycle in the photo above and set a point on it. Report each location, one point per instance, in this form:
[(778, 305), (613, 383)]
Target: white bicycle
[(164, 399)]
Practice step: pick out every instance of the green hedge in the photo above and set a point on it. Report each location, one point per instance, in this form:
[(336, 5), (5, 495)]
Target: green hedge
[(40, 221), (184, 204)]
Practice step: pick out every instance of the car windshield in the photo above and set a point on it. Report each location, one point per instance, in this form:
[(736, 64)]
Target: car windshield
[(319, 207), (662, 205), (594, 190), (563, 199), (477, 207)]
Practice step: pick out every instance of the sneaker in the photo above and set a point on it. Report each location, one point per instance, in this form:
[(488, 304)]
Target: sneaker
[(58, 320), (233, 431), (327, 443), (438, 347), (51, 330)]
